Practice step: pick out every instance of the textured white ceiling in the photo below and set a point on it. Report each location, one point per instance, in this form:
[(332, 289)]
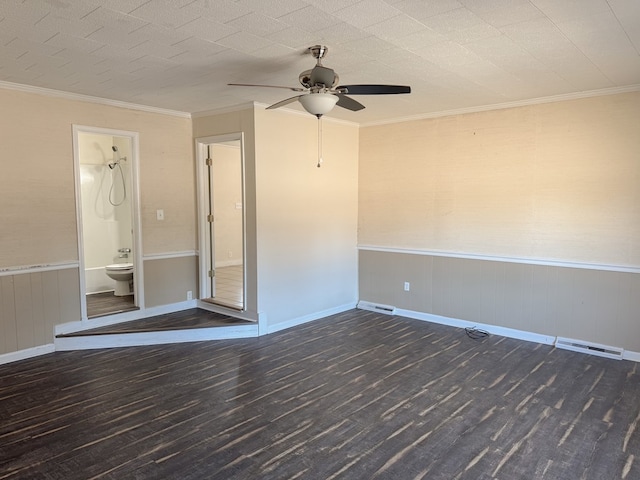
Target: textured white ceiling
[(455, 54)]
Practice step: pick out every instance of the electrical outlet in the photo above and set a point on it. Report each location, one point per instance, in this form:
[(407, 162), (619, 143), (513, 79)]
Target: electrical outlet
[(189, 295), (230, 254), (407, 286)]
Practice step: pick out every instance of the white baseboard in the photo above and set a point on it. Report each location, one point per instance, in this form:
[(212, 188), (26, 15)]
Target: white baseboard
[(493, 329), (77, 326), (502, 331), (242, 314), (139, 339), (309, 318), (27, 353)]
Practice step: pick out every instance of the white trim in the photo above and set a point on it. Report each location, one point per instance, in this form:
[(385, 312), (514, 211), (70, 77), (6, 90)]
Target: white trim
[(37, 268), (27, 353), (136, 222), (263, 323), (246, 106), (79, 225), (518, 103), (631, 356), (294, 322), (492, 329), (205, 242), (492, 258), (155, 338), (164, 256), (78, 326), (48, 92), (220, 111), (241, 314)]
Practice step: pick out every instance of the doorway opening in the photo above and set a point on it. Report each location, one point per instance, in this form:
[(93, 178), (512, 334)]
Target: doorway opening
[(107, 207), (221, 214)]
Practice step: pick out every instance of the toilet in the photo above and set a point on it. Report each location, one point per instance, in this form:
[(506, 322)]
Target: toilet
[(122, 273)]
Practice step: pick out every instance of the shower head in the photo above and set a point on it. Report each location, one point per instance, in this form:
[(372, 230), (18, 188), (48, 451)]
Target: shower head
[(116, 160)]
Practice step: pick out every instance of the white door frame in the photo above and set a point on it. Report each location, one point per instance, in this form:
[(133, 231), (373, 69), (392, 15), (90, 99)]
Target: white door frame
[(138, 278), (204, 242)]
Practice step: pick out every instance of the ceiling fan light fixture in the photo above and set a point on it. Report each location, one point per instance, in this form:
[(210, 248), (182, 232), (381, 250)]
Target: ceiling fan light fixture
[(318, 103)]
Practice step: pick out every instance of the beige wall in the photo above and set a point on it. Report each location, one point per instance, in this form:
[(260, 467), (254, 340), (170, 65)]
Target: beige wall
[(38, 209), (554, 181), (241, 121), (168, 280), (301, 220), (307, 216), (592, 305), (37, 182), (557, 181)]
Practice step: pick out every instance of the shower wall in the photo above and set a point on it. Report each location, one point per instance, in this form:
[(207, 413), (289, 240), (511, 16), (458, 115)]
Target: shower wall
[(105, 227)]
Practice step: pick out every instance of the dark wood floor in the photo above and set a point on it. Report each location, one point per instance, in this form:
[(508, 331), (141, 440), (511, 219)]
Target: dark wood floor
[(106, 303), (354, 396)]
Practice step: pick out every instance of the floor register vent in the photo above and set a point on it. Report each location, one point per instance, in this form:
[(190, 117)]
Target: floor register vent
[(590, 348), (376, 307)]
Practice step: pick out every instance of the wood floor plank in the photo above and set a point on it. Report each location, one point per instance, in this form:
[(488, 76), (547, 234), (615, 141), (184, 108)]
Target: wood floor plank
[(355, 395)]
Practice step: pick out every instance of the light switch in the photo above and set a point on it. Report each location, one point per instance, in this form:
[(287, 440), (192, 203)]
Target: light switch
[(160, 214)]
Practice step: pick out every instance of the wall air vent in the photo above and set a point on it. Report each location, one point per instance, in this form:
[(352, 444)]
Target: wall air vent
[(590, 348), (376, 307)]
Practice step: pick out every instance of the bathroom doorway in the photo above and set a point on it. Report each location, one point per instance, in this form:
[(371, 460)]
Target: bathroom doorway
[(108, 221), (221, 221)]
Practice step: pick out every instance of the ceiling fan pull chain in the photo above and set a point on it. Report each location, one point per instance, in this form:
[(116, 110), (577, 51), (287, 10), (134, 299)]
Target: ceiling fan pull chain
[(319, 141)]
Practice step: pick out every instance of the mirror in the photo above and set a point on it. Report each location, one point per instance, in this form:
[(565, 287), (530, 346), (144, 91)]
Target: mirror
[(106, 219), (222, 221)]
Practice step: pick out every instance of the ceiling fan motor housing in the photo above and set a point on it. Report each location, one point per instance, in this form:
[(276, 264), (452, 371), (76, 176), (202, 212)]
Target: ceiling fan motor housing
[(319, 78)]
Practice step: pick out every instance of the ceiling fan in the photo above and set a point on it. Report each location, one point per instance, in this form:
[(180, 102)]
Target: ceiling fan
[(321, 91)]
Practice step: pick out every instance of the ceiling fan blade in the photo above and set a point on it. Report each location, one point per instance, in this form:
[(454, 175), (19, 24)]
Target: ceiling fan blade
[(323, 76), (348, 103), (283, 102), (294, 89), (373, 89)]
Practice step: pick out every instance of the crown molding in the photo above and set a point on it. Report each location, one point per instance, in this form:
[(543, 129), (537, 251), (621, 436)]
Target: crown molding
[(254, 105), (518, 103), (48, 92), (223, 110)]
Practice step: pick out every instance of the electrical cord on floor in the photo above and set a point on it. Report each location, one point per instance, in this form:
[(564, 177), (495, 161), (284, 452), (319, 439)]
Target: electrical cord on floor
[(476, 333)]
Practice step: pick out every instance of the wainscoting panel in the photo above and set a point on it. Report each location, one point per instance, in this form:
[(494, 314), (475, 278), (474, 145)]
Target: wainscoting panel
[(397, 268), (594, 305), (33, 303), (168, 279)]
